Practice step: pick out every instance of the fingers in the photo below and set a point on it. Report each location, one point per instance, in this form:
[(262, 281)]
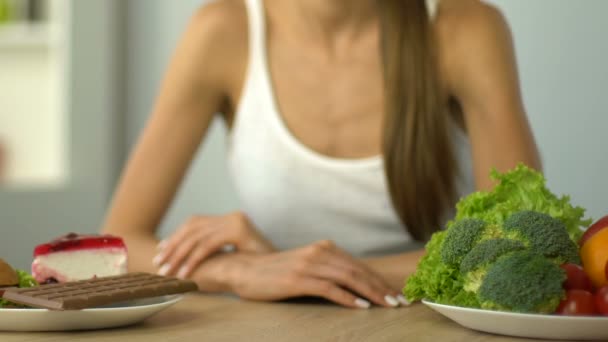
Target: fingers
[(326, 261), (211, 245), (353, 281), (196, 240), (352, 266), (201, 236), (175, 250), (174, 261), (167, 247), (330, 291), (308, 271)]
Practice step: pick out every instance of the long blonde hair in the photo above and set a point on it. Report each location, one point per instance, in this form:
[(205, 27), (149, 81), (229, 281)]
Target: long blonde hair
[(419, 159)]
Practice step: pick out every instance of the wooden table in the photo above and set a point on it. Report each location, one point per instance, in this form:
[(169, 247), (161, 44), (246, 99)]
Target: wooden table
[(222, 318)]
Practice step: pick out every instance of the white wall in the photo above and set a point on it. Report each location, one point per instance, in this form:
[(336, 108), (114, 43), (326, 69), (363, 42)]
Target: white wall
[(562, 49)]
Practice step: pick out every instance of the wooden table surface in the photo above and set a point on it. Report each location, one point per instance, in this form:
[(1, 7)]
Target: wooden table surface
[(221, 318)]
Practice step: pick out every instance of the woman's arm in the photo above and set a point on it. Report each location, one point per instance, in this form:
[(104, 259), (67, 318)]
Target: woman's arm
[(477, 61), (193, 89), (478, 65)]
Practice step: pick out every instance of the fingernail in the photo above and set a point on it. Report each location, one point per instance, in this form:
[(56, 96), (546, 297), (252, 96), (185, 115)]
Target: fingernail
[(392, 301), (164, 270), (161, 245), (157, 260), (403, 300), (362, 303), (182, 272)]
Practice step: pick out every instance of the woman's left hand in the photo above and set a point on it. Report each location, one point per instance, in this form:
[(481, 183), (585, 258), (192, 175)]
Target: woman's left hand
[(202, 236)]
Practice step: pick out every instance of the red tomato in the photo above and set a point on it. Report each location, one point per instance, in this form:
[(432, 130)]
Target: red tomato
[(577, 303), (601, 300), (576, 278)]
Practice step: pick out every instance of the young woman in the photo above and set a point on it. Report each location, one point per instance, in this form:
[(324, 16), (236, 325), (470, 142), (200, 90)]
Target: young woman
[(355, 125)]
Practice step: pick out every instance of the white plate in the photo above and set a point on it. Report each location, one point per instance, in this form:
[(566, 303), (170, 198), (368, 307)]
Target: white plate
[(96, 318), (527, 325)]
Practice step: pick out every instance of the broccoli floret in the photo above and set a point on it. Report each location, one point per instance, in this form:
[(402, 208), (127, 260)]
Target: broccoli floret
[(544, 234), (436, 280), (475, 264), (522, 281), (459, 240)]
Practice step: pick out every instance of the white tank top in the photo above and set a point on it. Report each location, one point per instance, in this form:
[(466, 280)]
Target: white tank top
[(296, 196)]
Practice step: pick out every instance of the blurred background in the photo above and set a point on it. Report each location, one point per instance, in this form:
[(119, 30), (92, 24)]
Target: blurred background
[(78, 79)]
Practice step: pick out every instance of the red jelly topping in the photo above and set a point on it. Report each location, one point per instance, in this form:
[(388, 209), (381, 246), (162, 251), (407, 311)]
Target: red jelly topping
[(72, 241)]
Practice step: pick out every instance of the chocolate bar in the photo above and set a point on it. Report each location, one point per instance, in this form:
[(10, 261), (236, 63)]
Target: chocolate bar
[(98, 292)]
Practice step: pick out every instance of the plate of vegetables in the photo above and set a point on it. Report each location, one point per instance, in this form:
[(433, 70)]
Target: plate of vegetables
[(517, 261), (554, 327)]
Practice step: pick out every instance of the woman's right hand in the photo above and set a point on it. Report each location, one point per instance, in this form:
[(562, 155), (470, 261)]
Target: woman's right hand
[(320, 270), (203, 236)]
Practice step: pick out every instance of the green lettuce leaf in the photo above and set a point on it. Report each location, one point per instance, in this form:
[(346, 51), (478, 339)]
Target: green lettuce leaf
[(25, 280), (519, 189), (436, 280)]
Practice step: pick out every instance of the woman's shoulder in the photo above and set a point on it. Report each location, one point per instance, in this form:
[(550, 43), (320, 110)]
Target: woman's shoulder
[(466, 17), (218, 32), (467, 30), (222, 21), (460, 23)]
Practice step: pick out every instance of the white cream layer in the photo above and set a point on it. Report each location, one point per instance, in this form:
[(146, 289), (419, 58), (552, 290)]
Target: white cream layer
[(80, 264)]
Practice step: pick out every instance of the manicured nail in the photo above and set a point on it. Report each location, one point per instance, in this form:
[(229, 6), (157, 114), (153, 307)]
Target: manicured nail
[(403, 300), (161, 245), (390, 300), (157, 260), (164, 270), (362, 303), (182, 272)]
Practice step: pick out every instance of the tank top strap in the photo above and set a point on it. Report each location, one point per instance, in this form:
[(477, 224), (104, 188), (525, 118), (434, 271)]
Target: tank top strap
[(432, 6), (257, 32)]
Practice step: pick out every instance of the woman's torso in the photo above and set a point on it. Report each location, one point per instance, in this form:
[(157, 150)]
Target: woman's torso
[(304, 146)]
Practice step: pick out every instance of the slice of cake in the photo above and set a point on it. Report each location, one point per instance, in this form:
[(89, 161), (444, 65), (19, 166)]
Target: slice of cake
[(79, 257)]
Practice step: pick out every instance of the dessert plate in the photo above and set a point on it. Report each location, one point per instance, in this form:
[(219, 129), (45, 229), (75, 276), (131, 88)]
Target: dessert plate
[(527, 325), (116, 315)]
